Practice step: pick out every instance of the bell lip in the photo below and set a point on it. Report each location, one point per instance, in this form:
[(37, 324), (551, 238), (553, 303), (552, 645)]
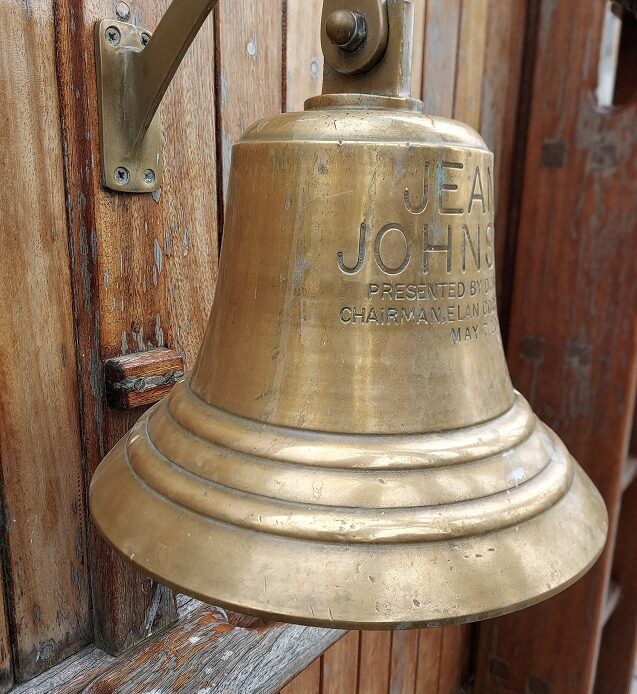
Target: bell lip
[(346, 625)]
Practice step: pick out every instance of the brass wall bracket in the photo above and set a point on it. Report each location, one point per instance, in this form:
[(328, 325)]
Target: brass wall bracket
[(127, 166), (134, 69)]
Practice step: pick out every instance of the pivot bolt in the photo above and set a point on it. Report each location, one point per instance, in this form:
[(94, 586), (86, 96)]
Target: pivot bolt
[(346, 29), (145, 38), (113, 36), (122, 175)]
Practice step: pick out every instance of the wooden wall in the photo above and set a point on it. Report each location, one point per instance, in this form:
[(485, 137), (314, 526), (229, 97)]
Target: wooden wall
[(572, 346), (86, 274)]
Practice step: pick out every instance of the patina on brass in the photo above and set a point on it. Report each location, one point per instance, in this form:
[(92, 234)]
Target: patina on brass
[(349, 450)]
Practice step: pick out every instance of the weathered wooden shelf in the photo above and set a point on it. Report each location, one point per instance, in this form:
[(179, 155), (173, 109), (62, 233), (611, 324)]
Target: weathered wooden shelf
[(208, 650)]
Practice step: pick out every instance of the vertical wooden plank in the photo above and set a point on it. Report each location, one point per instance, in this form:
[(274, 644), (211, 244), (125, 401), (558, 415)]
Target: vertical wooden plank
[(501, 127), (44, 519), (418, 51), (455, 653), (304, 56), (189, 216), (471, 61), (308, 682), (619, 639), (250, 65), (442, 30), (618, 651), (339, 671), (404, 662), (143, 269), (374, 662), (6, 665), (428, 671), (572, 344)]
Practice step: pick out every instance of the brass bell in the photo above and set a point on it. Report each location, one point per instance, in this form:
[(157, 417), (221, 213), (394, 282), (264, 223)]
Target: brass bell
[(349, 450)]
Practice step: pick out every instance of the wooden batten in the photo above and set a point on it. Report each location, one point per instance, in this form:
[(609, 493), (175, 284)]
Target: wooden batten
[(142, 378), (572, 343), (143, 271)]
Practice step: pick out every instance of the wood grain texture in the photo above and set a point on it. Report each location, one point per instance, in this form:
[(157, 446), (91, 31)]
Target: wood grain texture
[(618, 651), (142, 378), (6, 664), (204, 652), (442, 31), (503, 129), (572, 342), (375, 658), (404, 662), (339, 670), (250, 69), (428, 663), (474, 20), (40, 453), (143, 270), (455, 655), (304, 56), (308, 682)]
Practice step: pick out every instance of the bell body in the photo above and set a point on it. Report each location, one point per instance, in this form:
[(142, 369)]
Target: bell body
[(349, 450)]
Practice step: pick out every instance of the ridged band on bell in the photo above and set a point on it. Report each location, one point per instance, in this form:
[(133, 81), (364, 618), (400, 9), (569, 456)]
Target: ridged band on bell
[(380, 489), (349, 449)]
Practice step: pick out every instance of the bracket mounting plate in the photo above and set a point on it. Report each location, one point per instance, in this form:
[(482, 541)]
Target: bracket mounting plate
[(127, 166)]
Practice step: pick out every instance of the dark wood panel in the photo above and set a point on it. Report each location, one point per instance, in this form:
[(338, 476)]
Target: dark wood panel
[(43, 527), (618, 652), (143, 270), (572, 343)]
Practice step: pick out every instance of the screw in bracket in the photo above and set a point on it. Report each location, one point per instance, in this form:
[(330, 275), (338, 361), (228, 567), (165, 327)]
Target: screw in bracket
[(122, 175), (149, 177), (145, 38), (113, 36)]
